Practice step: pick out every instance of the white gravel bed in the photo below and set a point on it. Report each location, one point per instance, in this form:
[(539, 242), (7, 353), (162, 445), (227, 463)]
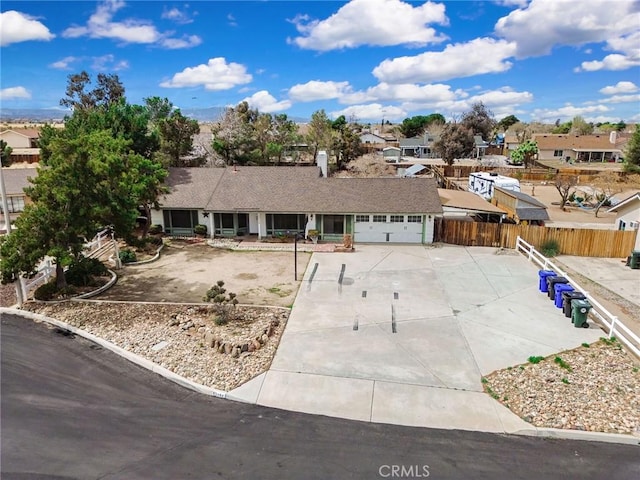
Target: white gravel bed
[(180, 337), (595, 388)]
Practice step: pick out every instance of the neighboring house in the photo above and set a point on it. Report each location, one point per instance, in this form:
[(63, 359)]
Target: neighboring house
[(270, 201), (520, 208), (511, 143), (15, 181), (418, 147), (628, 215), (578, 148), (372, 138), (460, 204), (24, 144)]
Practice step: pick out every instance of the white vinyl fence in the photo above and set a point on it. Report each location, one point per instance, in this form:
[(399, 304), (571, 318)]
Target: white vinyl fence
[(610, 322)]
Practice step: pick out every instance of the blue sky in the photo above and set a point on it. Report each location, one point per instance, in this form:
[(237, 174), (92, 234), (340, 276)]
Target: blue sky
[(540, 60)]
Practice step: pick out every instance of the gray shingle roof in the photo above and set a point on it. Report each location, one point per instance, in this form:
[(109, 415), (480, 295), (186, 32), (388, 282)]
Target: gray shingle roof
[(190, 187), (17, 179), (297, 190), (532, 213)]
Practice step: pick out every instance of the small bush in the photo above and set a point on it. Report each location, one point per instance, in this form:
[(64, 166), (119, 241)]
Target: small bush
[(224, 302), (550, 248), (562, 364), (127, 256), (535, 360), (82, 271), (155, 229), (47, 291), (200, 229)]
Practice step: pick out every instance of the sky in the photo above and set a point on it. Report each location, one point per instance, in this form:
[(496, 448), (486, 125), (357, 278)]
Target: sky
[(370, 60)]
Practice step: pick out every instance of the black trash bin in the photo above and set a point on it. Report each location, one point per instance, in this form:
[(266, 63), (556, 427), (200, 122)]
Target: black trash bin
[(551, 281), (634, 261), (566, 301)]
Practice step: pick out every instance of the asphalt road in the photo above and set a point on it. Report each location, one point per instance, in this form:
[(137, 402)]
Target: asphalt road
[(71, 410)]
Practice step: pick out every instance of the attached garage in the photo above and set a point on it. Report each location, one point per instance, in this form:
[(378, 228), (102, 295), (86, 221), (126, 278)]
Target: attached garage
[(392, 228)]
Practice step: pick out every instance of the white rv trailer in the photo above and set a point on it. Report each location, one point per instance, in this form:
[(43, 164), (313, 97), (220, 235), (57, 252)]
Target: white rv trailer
[(484, 183)]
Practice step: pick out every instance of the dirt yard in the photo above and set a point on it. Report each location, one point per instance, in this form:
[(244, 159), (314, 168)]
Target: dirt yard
[(185, 272)]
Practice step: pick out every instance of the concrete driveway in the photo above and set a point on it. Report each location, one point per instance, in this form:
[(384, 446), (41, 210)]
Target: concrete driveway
[(403, 334)]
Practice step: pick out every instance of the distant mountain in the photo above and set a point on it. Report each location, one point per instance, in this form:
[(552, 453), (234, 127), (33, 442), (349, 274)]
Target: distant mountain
[(210, 114), (32, 114)]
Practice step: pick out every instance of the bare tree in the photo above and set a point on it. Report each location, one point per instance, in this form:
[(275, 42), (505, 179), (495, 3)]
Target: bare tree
[(565, 184)]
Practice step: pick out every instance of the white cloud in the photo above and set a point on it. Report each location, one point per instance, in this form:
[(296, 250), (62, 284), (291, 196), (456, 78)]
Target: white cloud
[(512, 3), (14, 92), (372, 111), (501, 98), (266, 103), (613, 62), (179, 16), (101, 25), (217, 74), (402, 92), (542, 24), (479, 56), (107, 62), (18, 27), (317, 90), (187, 41), (232, 20), (371, 22), (620, 87), (567, 112), (65, 63), (635, 98)]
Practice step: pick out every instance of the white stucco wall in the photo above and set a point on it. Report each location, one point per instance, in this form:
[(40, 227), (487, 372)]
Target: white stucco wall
[(15, 140)]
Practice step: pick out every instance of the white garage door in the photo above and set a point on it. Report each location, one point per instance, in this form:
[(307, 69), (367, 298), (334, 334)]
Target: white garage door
[(398, 231)]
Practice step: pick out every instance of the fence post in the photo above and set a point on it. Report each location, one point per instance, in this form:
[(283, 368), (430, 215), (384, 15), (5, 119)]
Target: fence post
[(613, 325), (23, 287)]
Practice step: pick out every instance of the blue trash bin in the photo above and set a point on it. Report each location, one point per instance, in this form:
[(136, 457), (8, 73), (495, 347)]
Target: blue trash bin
[(559, 288), (543, 274)]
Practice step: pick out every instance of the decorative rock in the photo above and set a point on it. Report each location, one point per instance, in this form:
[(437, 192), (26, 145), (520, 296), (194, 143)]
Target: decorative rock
[(256, 344), (244, 347), (235, 353), (264, 338), (251, 347), (174, 321), (209, 339), (227, 348)]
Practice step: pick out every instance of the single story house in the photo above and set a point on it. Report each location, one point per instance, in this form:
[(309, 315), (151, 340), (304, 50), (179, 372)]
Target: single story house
[(480, 146), (419, 147), (24, 144), (577, 148), (628, 215), (271, 201), (15, 181), (369, 137), (520, 207)]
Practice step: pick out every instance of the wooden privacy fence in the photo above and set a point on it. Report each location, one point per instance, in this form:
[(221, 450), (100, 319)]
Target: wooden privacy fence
[(571, 241)]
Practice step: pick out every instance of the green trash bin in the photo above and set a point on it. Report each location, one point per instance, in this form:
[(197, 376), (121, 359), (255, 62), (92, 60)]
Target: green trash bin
[(579, 313), (635, 259)]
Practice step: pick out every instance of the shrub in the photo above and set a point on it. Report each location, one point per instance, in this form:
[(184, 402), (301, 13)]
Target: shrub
[(47, 291), (155, 229), (157, 241), (83, 269), (224, 303), (535, 359), (200, 229), (127, 256), (550, 248)]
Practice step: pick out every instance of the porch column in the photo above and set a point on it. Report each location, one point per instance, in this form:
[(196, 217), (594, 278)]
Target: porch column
[(211, 225)]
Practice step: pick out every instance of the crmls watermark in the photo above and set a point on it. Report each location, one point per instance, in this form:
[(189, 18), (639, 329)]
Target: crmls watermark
[(403, 471)]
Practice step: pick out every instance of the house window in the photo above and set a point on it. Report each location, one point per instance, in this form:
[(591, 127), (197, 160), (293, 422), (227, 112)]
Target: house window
[(180, 222), (15, 204), (397, 218), (362, 218), (281, 223), (557, 153), (333, 224), (414, 218), (380, 218)]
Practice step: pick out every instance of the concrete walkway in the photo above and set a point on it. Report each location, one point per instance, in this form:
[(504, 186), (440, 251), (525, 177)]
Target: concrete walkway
[(403, 334)]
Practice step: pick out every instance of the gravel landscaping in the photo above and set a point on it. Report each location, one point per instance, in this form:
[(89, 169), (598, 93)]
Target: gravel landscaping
[(182, 338), (594, 388)]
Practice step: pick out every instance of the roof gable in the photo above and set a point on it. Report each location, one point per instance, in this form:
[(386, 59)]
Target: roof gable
[(635, 198)]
